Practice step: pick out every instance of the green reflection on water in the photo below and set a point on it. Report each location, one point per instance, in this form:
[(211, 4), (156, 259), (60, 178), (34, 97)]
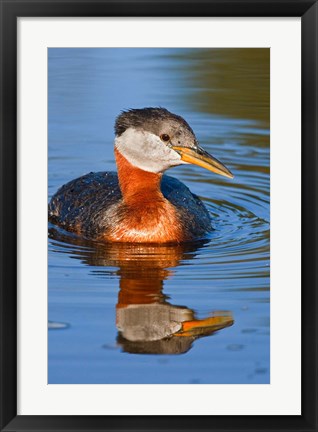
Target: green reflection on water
[(233, 82)]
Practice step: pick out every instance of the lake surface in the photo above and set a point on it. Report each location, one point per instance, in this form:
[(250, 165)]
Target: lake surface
[(195, 313)]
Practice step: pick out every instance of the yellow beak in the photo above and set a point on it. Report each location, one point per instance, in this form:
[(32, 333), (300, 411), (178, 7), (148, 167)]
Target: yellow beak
[(200, 157)]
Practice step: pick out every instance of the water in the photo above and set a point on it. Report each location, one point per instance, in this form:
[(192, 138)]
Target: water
[(194, 313)]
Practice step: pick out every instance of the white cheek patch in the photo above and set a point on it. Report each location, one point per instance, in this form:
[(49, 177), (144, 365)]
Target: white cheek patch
[(146, 151)]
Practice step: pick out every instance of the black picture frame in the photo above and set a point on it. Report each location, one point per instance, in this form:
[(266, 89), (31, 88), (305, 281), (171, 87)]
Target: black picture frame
[(10, 11)]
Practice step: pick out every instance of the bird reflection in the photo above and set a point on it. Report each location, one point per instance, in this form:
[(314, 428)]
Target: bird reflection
[(146, 322)]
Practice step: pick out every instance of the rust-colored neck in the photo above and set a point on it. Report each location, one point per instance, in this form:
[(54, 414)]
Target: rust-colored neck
[(145, 215), (136, 184)]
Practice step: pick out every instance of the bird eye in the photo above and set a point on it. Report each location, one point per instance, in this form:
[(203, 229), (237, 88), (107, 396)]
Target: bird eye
[(165, 137)]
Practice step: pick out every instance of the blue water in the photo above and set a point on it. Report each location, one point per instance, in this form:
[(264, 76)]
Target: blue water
[(94, 288)]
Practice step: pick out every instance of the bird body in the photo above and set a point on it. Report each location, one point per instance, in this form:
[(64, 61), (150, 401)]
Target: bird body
[(140, 204)]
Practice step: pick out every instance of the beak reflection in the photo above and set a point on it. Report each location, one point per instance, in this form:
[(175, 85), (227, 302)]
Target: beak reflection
[(147, 322)]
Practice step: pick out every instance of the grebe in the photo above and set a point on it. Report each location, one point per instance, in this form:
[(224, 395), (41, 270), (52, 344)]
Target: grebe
[(140, 204)]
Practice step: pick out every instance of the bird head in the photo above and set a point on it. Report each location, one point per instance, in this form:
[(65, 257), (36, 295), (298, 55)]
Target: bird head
[(154, 139)]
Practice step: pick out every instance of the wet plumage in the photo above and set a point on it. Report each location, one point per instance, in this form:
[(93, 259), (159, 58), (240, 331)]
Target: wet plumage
[(139, 204), (79, 206)]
